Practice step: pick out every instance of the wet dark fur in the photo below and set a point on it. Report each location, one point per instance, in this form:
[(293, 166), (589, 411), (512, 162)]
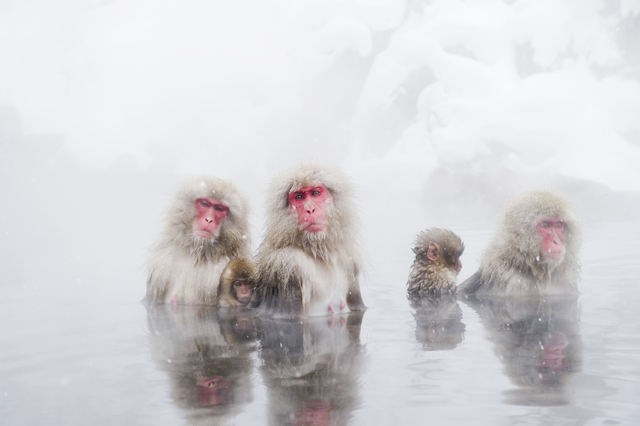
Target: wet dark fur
[(435, 277)]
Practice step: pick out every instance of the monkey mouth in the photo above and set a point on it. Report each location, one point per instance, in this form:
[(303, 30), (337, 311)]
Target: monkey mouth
[(315, 227), (244, 298), (204, 234), (554, 255)]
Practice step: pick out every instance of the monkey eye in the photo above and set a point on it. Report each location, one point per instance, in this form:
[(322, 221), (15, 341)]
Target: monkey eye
[(219, 208), (205, 203), (240, 283), (545, 224), (299, 197), (315, 193), (560, 224)]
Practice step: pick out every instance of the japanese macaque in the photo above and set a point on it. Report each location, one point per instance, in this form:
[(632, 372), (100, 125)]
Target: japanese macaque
[(309, 261), (438, 321), (237, 283), (206, 225), (538, 341), (312, 369), (534, 251), (207, 362), (437, 262)]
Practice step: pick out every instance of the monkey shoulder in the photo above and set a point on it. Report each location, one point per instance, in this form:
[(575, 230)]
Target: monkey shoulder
[(431, 279), (177, 279)]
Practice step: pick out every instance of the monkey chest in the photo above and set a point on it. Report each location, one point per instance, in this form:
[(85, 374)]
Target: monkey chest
[(324, 288)]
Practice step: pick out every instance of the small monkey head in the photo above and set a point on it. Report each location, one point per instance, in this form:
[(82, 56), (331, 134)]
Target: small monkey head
[(438, 254), (440, 246), (242, 290), (237, 283)]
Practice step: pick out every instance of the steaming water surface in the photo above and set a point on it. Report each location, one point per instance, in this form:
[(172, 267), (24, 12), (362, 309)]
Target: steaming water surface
[(70, 355), (438, 106)]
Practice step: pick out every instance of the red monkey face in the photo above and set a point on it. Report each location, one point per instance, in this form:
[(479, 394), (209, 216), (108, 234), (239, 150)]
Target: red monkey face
[(458, 265), (310, 205), (244, 290), (214, 392), (211, 213), (552, 232)]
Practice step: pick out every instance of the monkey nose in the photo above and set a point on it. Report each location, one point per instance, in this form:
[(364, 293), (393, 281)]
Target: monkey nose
[(208, 219)]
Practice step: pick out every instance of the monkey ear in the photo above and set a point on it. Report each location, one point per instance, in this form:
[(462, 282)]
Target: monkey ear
[(433, 252)]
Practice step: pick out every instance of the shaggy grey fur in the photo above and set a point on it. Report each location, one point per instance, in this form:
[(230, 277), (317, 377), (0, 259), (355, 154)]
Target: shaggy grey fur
[(284, 288), (185, 266), (439, 276), (513, 264)]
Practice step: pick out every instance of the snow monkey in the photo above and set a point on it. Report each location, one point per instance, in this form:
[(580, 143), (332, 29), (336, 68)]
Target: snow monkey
[(309, 261), (534, 251), (237, 283), (206, 225), (437, 262)]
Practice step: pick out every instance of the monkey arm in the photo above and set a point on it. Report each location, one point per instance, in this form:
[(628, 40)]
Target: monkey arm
[(156, 289), (472, 284), (354, 300), (354, 297), (279, 298)]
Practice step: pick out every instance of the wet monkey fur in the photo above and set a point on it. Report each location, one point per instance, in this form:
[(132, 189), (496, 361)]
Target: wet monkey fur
[(437, 263), (310, 259), (206, 225), (237, 283), (534, 251)]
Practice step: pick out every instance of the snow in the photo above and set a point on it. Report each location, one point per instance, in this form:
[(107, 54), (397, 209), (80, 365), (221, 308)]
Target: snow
[(540, 87)]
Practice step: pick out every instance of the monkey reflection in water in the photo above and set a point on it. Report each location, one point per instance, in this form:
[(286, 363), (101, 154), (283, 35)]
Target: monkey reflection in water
[(538, 341), (438, 321), (206, 355), (311, 369), (525, 293), (431, 289)]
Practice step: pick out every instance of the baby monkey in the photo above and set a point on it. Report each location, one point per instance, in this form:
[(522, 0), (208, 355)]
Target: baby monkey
[(437, 262), (237, 283)]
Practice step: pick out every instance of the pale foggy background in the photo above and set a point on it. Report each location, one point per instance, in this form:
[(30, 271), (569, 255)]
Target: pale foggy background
[(438, 110)]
